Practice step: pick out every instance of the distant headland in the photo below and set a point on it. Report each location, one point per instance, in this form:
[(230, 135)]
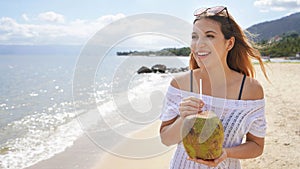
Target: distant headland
[(286, 45), (184, 51)]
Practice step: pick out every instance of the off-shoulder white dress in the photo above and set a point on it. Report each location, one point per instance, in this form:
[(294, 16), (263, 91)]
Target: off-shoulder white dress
[(238, 118)]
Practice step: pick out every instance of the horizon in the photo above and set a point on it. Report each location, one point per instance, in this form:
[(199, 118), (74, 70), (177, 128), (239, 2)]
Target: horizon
[(58, 24)]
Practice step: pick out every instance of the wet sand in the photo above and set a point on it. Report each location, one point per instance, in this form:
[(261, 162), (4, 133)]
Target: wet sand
[(281, 142)]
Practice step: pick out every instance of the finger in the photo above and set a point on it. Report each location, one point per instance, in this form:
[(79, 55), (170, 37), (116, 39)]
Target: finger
[(221, 158), (192, 103), (218, 160), (193, 99), (188, 108), (208, 163), (187, 113), (202, 161)]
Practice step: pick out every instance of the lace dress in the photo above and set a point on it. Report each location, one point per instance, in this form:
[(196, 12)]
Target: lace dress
[(238, 118)]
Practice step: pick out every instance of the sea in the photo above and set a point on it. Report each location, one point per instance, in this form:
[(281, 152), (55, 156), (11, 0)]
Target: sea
[(39, 116)]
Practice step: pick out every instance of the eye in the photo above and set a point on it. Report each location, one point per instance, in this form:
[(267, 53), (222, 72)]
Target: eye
[(194, 36), (210, 36)]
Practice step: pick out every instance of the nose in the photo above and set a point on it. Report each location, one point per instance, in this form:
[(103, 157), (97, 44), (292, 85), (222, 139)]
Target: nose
[(200, 43)]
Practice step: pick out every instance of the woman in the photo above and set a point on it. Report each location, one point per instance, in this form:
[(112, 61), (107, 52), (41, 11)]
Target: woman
[(220, 56)]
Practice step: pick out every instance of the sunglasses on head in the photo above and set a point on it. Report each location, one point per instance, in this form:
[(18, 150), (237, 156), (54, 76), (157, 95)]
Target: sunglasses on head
[(212, 11)]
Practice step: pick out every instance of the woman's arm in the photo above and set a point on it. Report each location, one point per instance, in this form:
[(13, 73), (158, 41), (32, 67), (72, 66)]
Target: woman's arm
[(253, 147), (170, 131)]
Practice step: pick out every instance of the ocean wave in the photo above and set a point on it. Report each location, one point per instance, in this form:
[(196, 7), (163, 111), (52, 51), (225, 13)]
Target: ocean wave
[(44, 135)]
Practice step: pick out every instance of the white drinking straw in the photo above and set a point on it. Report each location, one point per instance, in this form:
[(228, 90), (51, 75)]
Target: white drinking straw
[(200, 90)]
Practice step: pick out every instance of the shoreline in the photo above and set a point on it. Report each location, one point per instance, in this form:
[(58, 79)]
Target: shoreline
[(113, 161), (85, 154), (82, 154), (281, 142)]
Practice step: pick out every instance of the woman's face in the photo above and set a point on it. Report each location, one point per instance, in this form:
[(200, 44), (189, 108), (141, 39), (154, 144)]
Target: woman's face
[(208, 44)]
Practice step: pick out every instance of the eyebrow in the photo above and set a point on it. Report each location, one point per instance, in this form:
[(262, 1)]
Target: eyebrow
[(210, 31)]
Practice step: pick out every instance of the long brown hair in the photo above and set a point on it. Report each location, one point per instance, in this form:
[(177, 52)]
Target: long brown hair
[(239, 57)]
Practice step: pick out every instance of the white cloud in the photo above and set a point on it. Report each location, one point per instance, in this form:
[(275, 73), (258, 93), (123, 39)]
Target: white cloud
[(11, 28), (149, 41), (25, 17), (36, 32), (51, 17), (110, 18), (52, 32), (278, 5)]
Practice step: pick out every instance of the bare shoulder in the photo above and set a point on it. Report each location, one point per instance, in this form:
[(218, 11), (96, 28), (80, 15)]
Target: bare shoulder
[(253, 90), (181, 81)]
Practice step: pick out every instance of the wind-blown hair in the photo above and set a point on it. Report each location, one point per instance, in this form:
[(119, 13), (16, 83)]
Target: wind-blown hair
[(240, 57)]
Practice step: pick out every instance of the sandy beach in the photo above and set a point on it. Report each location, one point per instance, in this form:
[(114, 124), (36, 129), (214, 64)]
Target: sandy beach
[(281, 142)]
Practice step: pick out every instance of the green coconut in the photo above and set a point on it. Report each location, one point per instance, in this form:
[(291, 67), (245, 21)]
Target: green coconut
[(203, 136)]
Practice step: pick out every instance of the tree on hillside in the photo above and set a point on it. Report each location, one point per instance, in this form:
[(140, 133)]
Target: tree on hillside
[(287, 45)]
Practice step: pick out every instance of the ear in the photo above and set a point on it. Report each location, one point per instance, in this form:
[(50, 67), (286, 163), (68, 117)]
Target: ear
[(230, 43)]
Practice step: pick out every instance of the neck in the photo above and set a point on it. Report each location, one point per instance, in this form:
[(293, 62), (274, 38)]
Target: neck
[(215, 79), (217, 74)]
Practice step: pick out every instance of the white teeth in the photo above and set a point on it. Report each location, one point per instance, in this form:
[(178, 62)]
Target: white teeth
[(202, 53)]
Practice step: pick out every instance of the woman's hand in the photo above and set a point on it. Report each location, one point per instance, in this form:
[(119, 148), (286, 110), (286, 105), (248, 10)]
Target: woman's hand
[(170, 134), (190, 106), (212, 163)]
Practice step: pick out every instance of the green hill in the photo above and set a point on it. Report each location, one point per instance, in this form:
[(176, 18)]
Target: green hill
[(287, 45), (270, 29)]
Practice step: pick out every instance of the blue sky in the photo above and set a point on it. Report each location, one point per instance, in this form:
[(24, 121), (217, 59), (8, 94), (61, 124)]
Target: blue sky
[(75, 21)]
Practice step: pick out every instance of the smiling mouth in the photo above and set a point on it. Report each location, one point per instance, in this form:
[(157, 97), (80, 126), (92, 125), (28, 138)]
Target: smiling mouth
[(203, 54)]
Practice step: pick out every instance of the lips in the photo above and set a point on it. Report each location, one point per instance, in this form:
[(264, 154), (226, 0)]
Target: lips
[(202, 54)]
